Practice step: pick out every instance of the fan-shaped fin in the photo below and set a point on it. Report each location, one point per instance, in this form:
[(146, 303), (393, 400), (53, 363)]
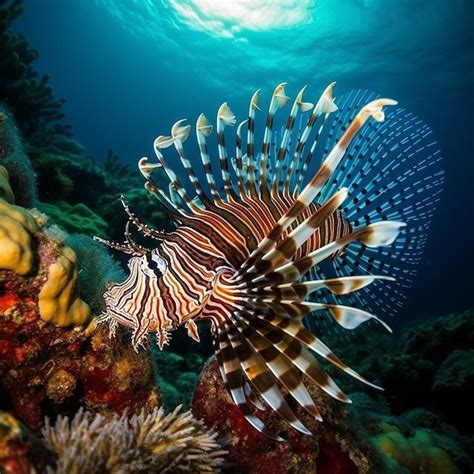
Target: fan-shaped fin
[(279, 364), (229, 362), (379, 233), (275, 341), (258, 374)]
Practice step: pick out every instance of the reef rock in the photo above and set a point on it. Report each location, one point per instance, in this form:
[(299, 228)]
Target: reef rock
[(52, 358), (337, 446)]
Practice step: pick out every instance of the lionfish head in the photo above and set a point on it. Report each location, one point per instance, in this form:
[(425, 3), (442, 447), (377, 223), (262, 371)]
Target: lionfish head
[(153, 298), (137, 302)]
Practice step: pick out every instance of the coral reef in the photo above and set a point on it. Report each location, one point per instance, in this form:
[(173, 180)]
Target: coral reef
[(77, 218), (117, 169), (6, 192), (44, 368), (58, 300), (416, 441), (78, 194), (454, 380), (91, 443), (29, 97), (142, 443), (73, 178), (428, 365), (176, 375), (58, 297), (82, 197), (417, 453), (22, 176), (336, 447), (17, 227)]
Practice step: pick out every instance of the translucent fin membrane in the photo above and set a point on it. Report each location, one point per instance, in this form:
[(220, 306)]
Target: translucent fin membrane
[(393, 171)]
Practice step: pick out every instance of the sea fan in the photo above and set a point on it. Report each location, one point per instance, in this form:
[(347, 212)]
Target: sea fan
[(145, 442)]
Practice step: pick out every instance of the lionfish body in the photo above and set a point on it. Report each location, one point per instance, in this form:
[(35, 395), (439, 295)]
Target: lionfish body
[(252, 245)]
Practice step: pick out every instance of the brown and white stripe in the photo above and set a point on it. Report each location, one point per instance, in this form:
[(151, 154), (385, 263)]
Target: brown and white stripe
[(239, 259)]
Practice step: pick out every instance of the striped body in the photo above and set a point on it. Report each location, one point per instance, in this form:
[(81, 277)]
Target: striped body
[(247, 252)]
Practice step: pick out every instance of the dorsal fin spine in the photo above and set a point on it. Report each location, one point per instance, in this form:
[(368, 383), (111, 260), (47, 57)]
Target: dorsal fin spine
[(279, 99), (315, 185), (225, 117), (251, 144), (283, 149), (203, 130)]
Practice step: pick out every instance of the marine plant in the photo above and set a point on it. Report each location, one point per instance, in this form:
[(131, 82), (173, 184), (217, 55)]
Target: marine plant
[(142, 443)]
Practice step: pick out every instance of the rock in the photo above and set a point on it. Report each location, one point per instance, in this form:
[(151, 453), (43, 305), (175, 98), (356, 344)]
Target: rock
[(336, 447), (61, 385)]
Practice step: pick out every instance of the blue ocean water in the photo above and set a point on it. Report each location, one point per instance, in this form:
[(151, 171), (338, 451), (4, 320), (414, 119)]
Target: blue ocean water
[(130, 68)]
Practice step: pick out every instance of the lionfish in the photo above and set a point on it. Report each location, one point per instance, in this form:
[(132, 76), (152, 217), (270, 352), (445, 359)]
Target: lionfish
[(276, 227)]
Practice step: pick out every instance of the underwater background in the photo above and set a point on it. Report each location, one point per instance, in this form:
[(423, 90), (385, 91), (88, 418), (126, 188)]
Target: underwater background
[(127, 70)]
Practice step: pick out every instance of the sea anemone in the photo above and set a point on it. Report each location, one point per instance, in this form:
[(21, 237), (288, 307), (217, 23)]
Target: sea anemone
[(144, 442)]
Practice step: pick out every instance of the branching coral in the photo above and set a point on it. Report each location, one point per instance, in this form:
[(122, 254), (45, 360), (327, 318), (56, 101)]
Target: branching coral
[(117, 169), (145, 442)]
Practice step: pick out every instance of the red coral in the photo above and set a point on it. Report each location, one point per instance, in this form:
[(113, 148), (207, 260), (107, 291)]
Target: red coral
[(7, 301)]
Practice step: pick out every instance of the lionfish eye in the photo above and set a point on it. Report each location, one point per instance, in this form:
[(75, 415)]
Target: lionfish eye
[(156, 262)]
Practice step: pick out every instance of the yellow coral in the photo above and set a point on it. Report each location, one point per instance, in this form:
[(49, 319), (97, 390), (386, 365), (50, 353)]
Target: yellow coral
[(5, 188), (10, 429), (16, 227), (417, 454), (59, 301)]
